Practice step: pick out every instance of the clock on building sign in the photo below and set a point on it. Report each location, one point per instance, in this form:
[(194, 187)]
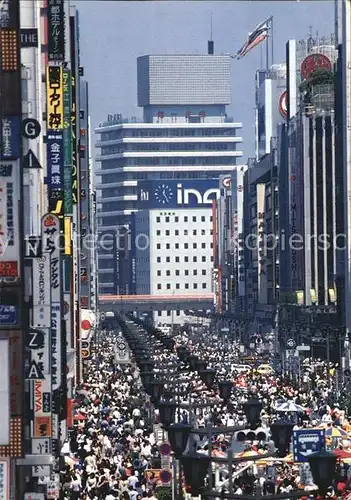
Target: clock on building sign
[(163, 194)]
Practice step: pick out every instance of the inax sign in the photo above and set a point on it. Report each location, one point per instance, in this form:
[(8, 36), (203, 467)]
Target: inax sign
[(177, 194)]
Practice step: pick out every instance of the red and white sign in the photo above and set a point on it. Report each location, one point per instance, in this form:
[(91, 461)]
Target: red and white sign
[(313, 62), (9, 220), (283, 104)]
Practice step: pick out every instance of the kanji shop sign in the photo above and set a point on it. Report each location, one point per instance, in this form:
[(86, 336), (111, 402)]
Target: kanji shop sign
[(54, 96), (55, 155)]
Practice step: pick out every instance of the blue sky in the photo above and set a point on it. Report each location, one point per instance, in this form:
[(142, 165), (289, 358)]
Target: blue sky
[(113, 34)]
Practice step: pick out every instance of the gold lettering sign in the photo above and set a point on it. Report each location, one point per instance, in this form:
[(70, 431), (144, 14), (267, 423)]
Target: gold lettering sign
[(54, 97)]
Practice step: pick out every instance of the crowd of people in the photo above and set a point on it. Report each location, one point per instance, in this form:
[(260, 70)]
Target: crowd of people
[(114, 451)]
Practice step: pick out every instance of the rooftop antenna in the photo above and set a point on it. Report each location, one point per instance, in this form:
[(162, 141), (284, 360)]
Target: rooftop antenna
[(210, 44)]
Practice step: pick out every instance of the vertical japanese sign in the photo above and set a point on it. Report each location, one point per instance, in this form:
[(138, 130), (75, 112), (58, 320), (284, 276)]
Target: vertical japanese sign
[(55, 153), (4, 474), (9, 220), (42, 427), (261, 244), (41, 291), (67, 143), (16, 377), (54, 97), (10, 137), (56, 31), (51, 243), (240, 227), (74, 127)]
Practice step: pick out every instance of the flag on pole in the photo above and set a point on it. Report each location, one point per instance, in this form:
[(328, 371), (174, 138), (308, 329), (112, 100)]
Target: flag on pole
[(257, 36)]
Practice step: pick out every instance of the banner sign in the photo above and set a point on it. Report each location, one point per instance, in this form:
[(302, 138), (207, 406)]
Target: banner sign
[(56, 30), (54, 97), (306, 442), (9, 220), (74, 125), (8, 315), (67, 143), (42, 408), (55, 153), (10, 138), (16, 373), (41, 291), (4, 473), (38, 342), (51, 243), (172, 194)]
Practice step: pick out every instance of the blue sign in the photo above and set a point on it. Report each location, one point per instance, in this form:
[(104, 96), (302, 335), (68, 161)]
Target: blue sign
[(55, 158), (306, 442), (177, 193), (10, 138), (8, 315)]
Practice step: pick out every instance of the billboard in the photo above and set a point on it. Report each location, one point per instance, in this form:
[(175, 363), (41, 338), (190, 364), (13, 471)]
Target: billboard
[(56, 30), (173, 194), (42, 408), (41, 291), (54, 97), (55, 154), (9, 220), (74, 126), (16, 376), (10, 137), (67, 143), (306, 442), (4, 392)]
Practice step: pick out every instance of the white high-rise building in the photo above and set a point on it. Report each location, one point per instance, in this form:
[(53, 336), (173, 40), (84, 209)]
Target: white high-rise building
[(165, 165)]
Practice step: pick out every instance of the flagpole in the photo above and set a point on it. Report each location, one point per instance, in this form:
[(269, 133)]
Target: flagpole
[(267, 52), (272, 42)]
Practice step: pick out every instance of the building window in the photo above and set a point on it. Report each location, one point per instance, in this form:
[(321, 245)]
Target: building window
[(168, 246), (195, 285), (186, 286), (178, 312), (168, 259), (186, 259), (158, 286), (194, 245), (177, 286), (204, 285), (176, 245), (203, 272), (195, 272), (186, 272), (203, 232), (194, 258), (177, 272), (211, 245), (158, 219), (203, 258), (211, 258), (168, 273), (194, 218), (158, 272), (211, 232), (158, 232), (185, 232), (166, 219), (176, 232), (203, 218), (203, 245), (177, 259), (158, 246), (168, 313), (186, 245), (167, 232), (168, 286), (159, 313), (158, 259), (211, 218), (185, 219), (176, 219), (194, 232)]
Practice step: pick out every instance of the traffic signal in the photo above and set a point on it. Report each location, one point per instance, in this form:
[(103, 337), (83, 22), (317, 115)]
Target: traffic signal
[(259, 434)]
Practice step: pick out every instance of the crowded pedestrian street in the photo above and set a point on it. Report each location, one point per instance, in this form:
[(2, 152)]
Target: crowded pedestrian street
[(129, 407)]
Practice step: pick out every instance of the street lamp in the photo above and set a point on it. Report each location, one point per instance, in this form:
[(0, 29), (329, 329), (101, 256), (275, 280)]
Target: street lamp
[(146, 366), (281, 434), (147, 378), (322, 466), (178, 435), (195, 468), (252, 409), (155, 389), (167, 412), (225, 389)]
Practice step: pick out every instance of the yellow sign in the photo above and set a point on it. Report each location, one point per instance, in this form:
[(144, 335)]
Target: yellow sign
[(68, 235), (85, 353), (54, 97)]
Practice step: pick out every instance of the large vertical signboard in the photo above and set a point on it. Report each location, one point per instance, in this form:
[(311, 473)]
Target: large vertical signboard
[(74, 127), (67, 143), (56, 31)]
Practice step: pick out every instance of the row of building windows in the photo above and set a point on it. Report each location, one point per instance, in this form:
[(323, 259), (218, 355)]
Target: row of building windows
[(203, 258), (186, 218), (177, 272), (195, 286), (169, 132), (186, 245), (166, 147), (177, 161)]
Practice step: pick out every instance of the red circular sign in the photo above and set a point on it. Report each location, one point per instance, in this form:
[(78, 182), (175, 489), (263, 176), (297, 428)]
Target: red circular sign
[(165, 476), (283, 104), (314, 61), (86, 325), (165, 449)]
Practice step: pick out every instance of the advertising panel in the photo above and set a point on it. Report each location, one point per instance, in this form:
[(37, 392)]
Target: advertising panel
[(4, 476), (260, 244), (74, 125), (10, 138), (177, 194), (38, 342), (54, 97), (9, 220), (16, 376), (4, 392), (42, 408), (306, 442), (41, 291), (238, 186), (67, 142), (132, 284), (55, 154), (56, 30), (50, 241)]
